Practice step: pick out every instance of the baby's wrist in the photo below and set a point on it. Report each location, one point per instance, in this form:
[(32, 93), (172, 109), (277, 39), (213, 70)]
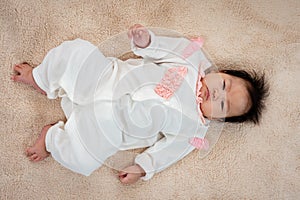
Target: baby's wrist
[(143, 174), (141, 171)]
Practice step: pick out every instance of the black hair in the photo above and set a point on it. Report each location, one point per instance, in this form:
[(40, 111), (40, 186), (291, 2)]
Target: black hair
[(258, 90)]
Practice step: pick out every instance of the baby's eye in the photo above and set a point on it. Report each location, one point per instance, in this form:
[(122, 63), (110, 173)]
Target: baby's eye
[(224, 85)]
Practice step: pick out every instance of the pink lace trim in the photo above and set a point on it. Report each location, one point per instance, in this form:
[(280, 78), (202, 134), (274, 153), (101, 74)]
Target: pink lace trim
[(173, 79), (199, 143), (195, 45), (199, 100), (170, 82)]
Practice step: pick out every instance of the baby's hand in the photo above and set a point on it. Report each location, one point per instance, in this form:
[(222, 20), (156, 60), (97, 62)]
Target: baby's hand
[(140, 35), (131, 174)]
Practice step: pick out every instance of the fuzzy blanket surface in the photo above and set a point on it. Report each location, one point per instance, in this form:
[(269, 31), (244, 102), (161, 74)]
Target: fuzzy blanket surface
[(248, 162)]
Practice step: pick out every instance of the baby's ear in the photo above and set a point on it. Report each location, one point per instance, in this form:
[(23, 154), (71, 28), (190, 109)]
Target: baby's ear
[(221, 120), (217, 119)]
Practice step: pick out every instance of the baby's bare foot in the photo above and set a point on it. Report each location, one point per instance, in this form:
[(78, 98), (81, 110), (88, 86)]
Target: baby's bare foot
[(38, 151), (24, 75)]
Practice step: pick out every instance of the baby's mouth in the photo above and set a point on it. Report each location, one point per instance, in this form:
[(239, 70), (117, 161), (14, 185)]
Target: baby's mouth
[(207, 93)]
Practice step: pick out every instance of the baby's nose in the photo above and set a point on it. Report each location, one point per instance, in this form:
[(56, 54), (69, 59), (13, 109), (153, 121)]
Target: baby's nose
[(215, 94)]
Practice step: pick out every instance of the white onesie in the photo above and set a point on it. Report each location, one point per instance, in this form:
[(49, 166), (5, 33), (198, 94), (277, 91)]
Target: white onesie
[(114, 105)]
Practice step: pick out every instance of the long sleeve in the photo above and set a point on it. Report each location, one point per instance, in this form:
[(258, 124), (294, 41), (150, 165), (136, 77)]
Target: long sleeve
[(163, 154), (178, 50)]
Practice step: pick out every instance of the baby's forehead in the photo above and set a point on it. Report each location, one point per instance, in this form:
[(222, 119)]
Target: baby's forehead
[(238, 96), (240, 103)]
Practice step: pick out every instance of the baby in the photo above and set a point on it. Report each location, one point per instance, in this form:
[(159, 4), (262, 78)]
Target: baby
[(163, 101)]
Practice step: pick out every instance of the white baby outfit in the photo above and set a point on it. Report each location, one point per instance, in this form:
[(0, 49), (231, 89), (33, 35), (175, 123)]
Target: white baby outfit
[(114, 105)]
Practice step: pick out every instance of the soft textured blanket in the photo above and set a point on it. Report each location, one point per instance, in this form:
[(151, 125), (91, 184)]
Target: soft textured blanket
[(248, 162)]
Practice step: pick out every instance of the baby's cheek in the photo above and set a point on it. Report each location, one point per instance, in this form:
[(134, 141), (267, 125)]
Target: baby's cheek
[(206, 109)]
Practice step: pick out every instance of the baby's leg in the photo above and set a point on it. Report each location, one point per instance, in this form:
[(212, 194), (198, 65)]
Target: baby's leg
[(71, 70), (24, 75), (38, 151), (66, 147)]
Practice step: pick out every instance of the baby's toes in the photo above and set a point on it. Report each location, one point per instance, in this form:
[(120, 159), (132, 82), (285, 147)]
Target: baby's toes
[(29, 151), (37, 159), (33, 157), (16, 78), (18, 68)]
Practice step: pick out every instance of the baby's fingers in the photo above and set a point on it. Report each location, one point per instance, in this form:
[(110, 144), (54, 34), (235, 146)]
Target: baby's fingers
[(139, 31), (122, 173), (123, 178), (135, 26), (136, 30), (129, 34), (15, 78), (127, 180), (131, 30)]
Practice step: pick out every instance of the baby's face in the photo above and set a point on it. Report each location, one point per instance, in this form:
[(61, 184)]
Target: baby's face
[(224, 96)]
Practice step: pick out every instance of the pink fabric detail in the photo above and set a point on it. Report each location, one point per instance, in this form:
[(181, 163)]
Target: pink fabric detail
[(170, 82), (195, 45), (198, 92), (199, 143), (199, 100), (198, 40)]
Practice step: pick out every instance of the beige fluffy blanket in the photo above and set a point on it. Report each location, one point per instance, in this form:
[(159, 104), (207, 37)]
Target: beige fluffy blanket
[(248, 162)]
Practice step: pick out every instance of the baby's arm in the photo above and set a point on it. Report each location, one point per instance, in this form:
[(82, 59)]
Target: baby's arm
[(163, 154), (147, 44), (156, 158), (161, 49)]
